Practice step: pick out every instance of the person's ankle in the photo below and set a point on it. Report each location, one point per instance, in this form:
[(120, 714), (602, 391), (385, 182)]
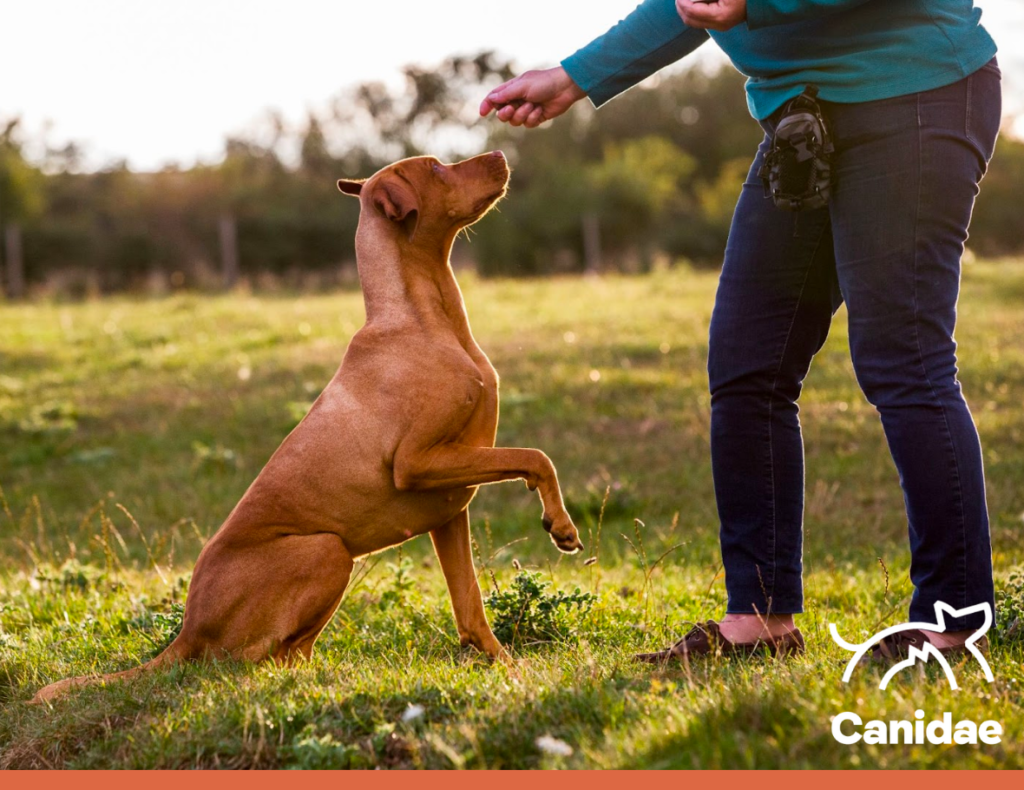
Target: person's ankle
[(947, 639), (746, 628)]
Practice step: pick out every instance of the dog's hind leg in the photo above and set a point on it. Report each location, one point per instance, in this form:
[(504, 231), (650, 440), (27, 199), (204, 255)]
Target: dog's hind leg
[(451, 542), (269, 599), (316, 601)]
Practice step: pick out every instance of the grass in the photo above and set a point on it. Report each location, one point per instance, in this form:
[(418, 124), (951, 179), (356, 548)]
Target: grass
[(128, 429)]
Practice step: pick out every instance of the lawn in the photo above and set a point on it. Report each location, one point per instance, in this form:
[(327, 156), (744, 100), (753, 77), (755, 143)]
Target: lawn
[(129, 428)]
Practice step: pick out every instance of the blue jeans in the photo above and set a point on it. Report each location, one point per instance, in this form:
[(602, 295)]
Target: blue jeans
[(889, 244)]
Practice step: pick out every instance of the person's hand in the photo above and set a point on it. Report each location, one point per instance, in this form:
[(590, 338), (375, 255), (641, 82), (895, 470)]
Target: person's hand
[(533, 97), (720, 15)]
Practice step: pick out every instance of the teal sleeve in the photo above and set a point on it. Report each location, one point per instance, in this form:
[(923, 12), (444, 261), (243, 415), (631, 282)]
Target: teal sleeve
[(765, 13), (650, 38)]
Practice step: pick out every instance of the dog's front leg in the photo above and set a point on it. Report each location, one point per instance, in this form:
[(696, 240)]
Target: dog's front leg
[(460, 466), (451, 542)]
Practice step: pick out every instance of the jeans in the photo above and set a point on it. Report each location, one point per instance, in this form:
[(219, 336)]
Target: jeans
[(889, 244)]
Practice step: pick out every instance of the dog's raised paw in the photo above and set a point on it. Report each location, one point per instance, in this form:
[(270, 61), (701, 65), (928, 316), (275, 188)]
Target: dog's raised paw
[(569, 544), (564, 536)]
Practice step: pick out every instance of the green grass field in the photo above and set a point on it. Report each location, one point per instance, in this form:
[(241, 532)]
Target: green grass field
[(128, 430)]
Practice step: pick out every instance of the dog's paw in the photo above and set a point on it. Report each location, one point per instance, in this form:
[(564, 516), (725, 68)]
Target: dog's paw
[(504, 658), (563, 533)]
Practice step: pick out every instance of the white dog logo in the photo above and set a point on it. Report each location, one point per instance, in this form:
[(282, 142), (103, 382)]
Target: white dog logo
[(929, 650)]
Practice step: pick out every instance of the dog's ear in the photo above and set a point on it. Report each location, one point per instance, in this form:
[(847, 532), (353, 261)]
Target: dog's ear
[(350, 186), (398, 203)]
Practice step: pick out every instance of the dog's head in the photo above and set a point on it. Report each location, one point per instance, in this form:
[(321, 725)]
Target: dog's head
[(423, 198)]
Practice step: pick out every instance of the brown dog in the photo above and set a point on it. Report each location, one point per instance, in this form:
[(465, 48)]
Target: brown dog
[(394, 447)]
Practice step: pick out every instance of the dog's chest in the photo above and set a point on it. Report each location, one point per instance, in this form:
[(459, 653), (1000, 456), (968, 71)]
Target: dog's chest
[(481, 393)]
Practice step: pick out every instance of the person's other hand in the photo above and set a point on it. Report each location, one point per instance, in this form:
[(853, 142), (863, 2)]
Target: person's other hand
[(720, 15), (533, 97)]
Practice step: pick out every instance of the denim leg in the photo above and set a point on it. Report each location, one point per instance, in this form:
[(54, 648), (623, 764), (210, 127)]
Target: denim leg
[(907, 175), (775, 302)]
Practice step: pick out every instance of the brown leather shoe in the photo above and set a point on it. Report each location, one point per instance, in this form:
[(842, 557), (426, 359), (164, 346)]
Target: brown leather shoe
[(706, 639), (896, 647)]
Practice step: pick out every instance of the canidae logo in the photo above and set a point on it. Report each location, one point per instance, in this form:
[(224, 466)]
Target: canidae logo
[(939, 731), (928, 651)]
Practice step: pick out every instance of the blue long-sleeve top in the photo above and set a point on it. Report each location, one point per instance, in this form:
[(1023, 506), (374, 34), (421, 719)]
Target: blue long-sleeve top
[(852, 50)]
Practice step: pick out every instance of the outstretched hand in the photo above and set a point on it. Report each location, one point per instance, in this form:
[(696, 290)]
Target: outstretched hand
[(532, 98), (720, 15)]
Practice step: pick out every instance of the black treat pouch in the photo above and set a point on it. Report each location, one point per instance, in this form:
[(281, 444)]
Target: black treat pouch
[(797, 171)]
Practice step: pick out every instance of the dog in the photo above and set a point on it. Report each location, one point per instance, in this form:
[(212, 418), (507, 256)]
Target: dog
[(394, 447)]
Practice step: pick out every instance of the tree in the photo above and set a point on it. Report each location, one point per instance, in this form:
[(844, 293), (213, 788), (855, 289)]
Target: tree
[(21, 197), (637, 183), (996, 228)]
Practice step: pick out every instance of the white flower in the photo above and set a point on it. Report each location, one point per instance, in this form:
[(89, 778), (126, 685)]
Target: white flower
[(412, 713), (554, 746)]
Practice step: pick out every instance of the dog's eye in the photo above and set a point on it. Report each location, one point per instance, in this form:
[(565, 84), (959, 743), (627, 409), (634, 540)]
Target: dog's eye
[(438, 169)]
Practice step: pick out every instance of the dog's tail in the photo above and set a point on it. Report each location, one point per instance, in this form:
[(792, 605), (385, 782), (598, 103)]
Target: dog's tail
[(172, 655)]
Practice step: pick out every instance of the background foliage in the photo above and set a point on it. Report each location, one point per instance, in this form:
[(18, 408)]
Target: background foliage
[(658, 169)]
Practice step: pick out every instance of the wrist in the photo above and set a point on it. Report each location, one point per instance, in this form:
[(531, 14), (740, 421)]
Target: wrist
[(567, 85)]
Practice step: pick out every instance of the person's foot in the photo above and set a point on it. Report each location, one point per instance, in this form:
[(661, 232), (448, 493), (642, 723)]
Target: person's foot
[(898, 645), (948, 639), (734, 635)]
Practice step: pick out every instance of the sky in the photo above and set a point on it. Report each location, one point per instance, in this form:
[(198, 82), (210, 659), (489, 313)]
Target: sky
[(156, 82)]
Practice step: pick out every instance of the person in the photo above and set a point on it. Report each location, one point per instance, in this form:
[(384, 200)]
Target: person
[(911, 92)]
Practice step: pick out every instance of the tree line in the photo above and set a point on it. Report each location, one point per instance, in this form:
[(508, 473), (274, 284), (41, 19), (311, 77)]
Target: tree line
[(654, 175)]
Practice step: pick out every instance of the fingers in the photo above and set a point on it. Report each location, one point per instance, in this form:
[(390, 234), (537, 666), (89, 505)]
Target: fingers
[(521, 114), (532, 98), (502, 95), (535, 119), (510, 112), (488, 104), (523, 111), (697, 14), (505, 113), (717, 15)]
